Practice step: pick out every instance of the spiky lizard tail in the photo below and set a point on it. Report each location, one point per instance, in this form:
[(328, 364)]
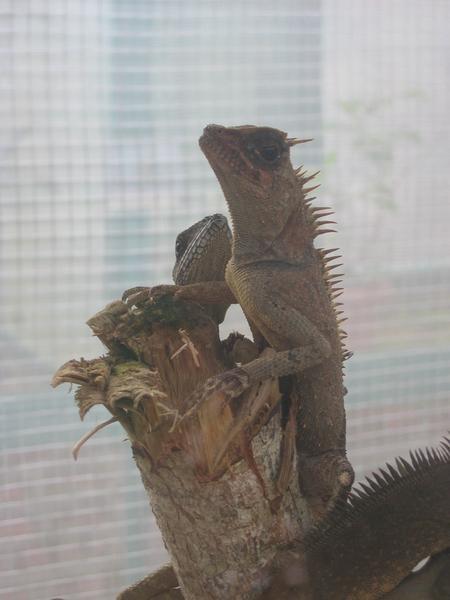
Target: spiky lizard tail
[(401, 515)]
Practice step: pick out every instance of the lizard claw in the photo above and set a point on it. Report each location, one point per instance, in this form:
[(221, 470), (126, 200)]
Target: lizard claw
[(137, 296), (230, 383), (163, 290)]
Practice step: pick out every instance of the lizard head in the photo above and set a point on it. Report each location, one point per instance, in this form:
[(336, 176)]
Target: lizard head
[(260, 185), (202, 251), (248, 157), (201, 254)]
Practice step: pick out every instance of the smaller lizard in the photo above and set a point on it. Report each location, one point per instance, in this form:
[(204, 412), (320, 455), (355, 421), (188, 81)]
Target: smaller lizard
[(202, 252)]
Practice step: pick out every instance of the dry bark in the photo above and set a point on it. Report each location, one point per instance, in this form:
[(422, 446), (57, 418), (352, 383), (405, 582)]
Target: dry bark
[(220, 513)]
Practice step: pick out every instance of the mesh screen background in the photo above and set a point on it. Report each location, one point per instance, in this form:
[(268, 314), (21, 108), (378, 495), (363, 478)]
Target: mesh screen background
[(102, 103)]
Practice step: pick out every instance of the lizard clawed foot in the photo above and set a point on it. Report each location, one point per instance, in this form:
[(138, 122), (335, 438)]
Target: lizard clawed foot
[(157, 291), (230, 383), (137, 296)]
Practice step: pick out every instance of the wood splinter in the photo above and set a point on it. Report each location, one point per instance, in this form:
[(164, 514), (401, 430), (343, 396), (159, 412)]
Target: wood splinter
[(77, 447)]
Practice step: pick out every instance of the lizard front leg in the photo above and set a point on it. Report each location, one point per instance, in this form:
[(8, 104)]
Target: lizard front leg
[(290, 323), (232, 383), (205, 292)]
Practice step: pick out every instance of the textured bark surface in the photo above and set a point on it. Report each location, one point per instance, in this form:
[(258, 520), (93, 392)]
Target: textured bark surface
[(220, 513), (221, 534)]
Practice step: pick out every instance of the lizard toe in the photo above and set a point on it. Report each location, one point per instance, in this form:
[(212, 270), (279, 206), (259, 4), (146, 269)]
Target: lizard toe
[(230, 383), (158, 291), (132, 295)]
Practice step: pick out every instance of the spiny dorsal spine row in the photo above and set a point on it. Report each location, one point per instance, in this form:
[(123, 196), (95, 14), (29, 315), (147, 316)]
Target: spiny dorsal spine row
[(316, 216), (380, 485)]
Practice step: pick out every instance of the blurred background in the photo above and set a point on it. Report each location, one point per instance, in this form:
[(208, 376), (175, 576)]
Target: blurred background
[(101, 106)]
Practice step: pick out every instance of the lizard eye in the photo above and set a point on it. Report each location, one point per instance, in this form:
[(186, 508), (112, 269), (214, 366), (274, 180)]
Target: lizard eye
[(270, 153), (180, 247)]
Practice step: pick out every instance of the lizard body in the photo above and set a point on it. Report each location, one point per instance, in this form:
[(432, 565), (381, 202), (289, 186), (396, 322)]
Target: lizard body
[(287, 292)]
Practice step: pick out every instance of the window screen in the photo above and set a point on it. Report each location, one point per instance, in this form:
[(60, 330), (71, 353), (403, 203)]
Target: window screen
[(102, 103)]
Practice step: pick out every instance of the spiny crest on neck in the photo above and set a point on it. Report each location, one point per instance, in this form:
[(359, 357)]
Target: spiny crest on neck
[(317, 220)]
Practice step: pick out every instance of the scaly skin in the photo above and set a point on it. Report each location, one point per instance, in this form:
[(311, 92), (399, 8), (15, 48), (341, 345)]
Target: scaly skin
[(201, 254), (285, 289), (401, 516), (366, 547)]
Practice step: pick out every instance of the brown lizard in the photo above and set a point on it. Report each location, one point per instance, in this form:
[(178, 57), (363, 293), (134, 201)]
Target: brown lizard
[(288, 294)]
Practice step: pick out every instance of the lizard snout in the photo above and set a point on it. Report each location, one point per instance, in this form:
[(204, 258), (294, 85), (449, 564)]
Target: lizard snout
[(214, 129)]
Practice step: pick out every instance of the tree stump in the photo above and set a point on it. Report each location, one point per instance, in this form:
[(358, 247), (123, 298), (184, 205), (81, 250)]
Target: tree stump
[(211, 480)]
